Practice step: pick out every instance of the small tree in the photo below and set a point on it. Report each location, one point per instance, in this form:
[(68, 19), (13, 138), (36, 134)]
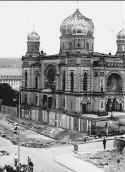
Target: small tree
[(8, 95)]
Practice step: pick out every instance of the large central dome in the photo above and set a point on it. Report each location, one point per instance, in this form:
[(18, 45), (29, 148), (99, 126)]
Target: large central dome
[(77, 23)]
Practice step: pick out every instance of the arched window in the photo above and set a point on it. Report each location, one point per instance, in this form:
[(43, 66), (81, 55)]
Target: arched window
[(85, 82), (50, 101), (25, 78), (50, 73), (63, 81), (92, 45), (84, 108), (36, 81), (44, 100), (71, 81), (36, 99), (78, 44), (101, 85)]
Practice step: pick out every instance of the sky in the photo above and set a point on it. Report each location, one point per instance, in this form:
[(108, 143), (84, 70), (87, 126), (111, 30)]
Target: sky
[(18, 18)]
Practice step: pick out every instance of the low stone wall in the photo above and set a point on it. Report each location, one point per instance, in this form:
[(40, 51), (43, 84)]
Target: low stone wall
[(9, 110)]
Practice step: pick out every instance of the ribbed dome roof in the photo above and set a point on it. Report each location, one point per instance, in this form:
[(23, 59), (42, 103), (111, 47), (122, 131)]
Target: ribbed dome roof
[(121, 33), (77, 23), (33, 37)]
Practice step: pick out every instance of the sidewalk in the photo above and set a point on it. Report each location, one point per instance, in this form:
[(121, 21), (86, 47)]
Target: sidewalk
[(60, 136), (76, 165), (54, 132), (72, 162)]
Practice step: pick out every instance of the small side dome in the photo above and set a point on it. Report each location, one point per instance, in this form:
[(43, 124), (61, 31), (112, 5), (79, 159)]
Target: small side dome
[(33, 37), (121, 33)]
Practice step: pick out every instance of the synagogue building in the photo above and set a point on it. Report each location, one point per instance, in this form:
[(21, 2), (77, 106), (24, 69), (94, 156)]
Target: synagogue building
[(76, 87)]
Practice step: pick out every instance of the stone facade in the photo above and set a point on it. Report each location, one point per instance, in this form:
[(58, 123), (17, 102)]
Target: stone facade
[(76, 87)]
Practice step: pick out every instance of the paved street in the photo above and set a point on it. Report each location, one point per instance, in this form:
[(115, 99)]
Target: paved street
[(70, 160), (55, 159), (44, 159)]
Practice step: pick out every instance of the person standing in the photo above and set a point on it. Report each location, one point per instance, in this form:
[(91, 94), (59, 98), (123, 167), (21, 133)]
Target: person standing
[(104, 143)]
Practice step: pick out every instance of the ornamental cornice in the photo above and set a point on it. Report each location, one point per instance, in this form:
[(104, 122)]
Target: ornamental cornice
[(30, 58)]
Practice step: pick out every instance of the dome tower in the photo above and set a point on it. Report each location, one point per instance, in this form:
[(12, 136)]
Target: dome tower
[(77, 34), (121, 43), (33, 43)]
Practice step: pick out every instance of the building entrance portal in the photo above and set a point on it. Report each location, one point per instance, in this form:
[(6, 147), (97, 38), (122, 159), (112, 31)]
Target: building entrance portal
[(113, 105)]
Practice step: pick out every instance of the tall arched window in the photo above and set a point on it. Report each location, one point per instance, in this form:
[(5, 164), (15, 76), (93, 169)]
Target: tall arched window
[(25, 78), (50, 74), (63, 81), (44, 101), (71, 81), (78, 44), (36, 81), (50, 101), (85, 82), (92, 45), (36, 99)]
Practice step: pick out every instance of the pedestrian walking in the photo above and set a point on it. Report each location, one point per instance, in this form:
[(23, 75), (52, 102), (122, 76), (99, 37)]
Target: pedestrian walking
[(104, 143)]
